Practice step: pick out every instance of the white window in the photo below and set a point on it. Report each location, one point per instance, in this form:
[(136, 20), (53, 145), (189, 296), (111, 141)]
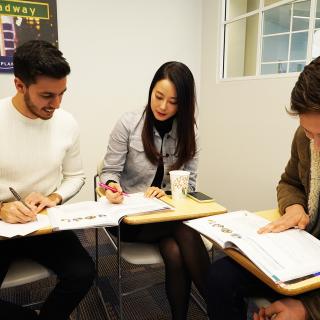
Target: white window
[(269, 36)]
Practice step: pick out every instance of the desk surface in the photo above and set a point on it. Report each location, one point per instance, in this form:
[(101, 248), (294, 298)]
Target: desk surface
[(184, 209), (286, 289)]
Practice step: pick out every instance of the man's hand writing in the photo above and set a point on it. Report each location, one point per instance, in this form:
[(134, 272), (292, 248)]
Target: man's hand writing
[(17, 212), (40, 201)]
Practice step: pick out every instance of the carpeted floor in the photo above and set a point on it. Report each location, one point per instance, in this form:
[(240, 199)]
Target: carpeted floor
[(149, 304)]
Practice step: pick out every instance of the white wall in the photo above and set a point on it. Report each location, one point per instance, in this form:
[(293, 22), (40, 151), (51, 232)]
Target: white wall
[(246, 133), (114, 49)]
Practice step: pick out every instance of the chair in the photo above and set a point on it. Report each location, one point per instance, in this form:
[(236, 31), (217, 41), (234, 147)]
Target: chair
[(135, 253), (25, 271)]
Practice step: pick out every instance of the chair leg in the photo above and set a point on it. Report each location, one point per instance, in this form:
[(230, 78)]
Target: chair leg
[(119, 275), (97, 277), (95, 186), (198, 303), (97, 253)]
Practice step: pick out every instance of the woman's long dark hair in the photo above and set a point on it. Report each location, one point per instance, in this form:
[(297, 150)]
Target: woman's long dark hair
[(182, 78)]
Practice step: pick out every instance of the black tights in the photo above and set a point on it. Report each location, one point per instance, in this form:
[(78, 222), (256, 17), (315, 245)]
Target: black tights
[(185, 257)]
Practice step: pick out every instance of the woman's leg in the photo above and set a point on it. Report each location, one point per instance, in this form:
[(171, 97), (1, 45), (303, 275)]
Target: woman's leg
[(195, 255), (178, 282)]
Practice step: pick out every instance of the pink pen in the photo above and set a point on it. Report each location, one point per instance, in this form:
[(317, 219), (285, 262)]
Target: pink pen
[(104, 186)]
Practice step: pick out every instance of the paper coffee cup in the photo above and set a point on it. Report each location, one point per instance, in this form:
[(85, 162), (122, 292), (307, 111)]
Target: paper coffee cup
[(179, 180)]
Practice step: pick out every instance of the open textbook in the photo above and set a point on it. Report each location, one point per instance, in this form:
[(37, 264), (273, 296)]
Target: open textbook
[(86, 214), (10, 230), (283, 256)]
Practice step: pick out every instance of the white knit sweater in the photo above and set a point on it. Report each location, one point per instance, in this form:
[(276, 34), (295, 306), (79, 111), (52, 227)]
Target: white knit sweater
[(39, 155)]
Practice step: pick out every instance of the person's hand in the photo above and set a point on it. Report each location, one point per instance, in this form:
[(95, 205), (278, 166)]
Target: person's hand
[(261, 315), (40, 201), (17, 212), (284, 309), (152, 192), (114, 197), (295, 216)]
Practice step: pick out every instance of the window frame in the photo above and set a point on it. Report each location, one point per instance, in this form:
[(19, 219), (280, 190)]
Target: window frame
[(259, 11)]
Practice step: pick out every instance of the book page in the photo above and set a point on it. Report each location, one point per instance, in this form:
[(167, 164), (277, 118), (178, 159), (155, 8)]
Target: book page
[(286, 255), (135, 203), (10, 230), (80, 215), (102, 213), (281, 256), (212, 229)]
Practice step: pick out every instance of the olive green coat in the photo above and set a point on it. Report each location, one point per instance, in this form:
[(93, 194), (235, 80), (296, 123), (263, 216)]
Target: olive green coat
[(294, 188)]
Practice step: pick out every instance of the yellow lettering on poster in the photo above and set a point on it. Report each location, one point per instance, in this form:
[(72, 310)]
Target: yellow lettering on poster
[(16, 9), (11, 9)]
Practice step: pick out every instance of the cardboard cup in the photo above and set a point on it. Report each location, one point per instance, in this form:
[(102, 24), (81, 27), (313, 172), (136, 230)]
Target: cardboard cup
[(179, 180)]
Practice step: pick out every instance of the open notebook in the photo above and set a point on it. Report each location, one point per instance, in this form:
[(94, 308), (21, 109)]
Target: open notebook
[(87, 214), (283, 256)]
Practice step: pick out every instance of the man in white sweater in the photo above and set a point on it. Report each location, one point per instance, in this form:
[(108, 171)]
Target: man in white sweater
[(40, 159)]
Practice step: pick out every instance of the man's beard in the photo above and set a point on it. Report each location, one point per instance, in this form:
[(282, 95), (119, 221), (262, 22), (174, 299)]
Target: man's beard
[(33, 109)]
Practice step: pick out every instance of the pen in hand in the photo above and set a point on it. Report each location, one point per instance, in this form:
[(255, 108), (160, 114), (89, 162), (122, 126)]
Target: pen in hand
[(104, 186), (17, 196)]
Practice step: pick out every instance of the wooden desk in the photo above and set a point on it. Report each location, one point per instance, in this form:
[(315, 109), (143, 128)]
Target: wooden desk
[(40, 232), (285, 289), (184, 210)]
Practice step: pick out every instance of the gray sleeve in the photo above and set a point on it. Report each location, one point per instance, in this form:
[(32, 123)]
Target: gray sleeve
[(117, 150), (192, 165)]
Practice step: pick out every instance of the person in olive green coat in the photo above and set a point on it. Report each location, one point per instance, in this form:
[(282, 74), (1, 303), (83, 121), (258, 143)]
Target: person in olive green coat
[(299, 188), (298, 198)]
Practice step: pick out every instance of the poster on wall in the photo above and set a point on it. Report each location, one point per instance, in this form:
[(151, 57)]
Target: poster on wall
[(21, 21)]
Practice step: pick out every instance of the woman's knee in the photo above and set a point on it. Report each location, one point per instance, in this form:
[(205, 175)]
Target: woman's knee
[(170, 252), (186, 235)]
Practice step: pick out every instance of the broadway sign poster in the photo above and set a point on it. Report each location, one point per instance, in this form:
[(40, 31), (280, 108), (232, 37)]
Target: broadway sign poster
[(21, 21)]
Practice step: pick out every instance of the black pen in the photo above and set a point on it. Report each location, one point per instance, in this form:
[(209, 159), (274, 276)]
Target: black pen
[(17, 196)]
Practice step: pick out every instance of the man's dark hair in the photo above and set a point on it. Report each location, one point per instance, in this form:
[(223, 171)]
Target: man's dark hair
[(39, 58), (305, 96)]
